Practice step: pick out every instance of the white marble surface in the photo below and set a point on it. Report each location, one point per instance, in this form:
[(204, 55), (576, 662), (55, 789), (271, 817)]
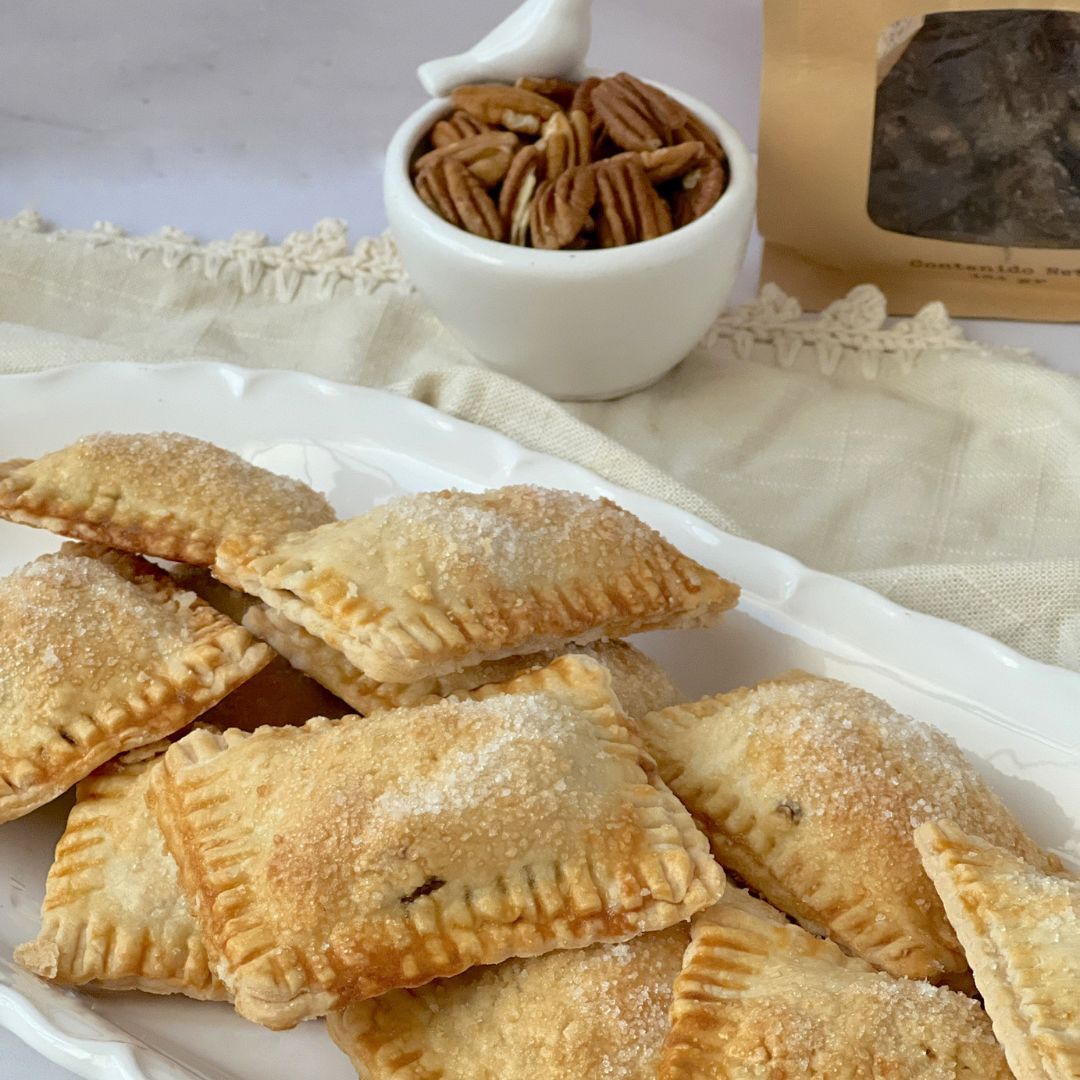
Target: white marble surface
[(270, 114)]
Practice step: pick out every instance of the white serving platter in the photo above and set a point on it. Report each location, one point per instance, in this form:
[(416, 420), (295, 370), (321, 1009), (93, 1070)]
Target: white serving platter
[(1017, 719)]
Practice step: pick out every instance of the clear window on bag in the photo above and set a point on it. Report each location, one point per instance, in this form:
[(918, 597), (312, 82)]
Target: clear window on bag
[(977, 128)]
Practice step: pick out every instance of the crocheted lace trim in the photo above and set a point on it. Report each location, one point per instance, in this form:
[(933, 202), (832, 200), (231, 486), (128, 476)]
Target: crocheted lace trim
[(854, 328), (321, 256), (770, 329)]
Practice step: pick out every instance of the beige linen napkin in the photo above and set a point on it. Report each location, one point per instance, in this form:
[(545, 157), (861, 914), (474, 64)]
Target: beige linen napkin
[(943, 473)]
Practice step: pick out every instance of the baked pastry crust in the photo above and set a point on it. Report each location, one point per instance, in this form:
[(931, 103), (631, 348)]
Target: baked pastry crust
[(325, 869), (599, 1013), (101, 652), (432, 583), (1020, 929), (639, 683), (809, 790), (168, 495), (758, 1001), (114, 915)]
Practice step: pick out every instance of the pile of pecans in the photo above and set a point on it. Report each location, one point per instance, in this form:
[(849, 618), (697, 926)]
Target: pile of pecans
[(554, 164)]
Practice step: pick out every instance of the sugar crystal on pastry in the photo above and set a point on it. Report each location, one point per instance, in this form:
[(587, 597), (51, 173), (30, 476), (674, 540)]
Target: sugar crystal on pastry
[(435, 582), (757, 1000), (598, 1013), (343, 859), (1020, 929), (101, 652), (161, 494), (809, 790), (114, 916)]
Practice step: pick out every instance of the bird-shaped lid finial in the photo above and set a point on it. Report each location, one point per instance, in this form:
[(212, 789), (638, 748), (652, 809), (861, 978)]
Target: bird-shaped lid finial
[(546, 38)]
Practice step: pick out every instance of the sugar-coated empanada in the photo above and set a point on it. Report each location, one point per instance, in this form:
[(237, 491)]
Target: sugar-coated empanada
[(809, 790), (114, 915), (163, 494), (762, 1001), (436, 582), (639, 683), (101, 652), (1020, 929), (599, 1013), (343, 859)]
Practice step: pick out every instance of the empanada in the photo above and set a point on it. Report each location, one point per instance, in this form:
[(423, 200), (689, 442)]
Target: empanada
[(589, 1014), (1020, 929), (114, 915), (432, 583), (761, 1001), (101, 652), (343, 859), (164, 494), (640, 684), (809, 790)]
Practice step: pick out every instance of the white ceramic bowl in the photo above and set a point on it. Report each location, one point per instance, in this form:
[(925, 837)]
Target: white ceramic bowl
[(574, 324)]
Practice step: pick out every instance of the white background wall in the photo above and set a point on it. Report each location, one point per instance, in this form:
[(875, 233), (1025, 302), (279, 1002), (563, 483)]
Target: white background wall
[(216, 115)]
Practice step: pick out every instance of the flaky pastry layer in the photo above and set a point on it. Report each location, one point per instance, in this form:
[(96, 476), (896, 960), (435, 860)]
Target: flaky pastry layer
[(809, 790), (436, 582), (340, 860), (168, 495), (101, 652), (114, 915), (598, 1013), (1020, 929), (757, 1000)]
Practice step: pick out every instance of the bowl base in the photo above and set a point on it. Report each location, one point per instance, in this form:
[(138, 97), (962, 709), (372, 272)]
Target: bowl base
[(611, 395)]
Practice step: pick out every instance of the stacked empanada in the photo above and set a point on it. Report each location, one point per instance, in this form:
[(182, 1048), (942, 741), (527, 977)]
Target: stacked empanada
[(433, 801)]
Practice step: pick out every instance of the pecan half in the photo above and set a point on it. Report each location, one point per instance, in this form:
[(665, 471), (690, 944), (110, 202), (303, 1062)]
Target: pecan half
[(667, 163), (582, 101), (694, 130), (561, 207), (636, 115), (701, 187), (632, 210), (511, 106), (583, 140), (557, 142), (452, 191), (671, 161), (460, 126), (559, 90), (488, 155), (566, 141), (515, 199)]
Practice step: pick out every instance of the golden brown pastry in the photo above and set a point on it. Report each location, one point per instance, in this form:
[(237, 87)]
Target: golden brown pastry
[(599, 1013), (101, 652), (164, 494), (1020, 929), (809, 790), (343, 859), (762, 1001), (432, 583), (114, 916), (640, 684)]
